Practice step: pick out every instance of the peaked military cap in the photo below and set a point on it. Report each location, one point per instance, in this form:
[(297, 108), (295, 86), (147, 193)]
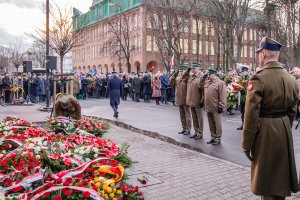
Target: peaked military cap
[(211, 71), (244, 69), (183, 67), (269, 44), (114, 72), (196, 65)]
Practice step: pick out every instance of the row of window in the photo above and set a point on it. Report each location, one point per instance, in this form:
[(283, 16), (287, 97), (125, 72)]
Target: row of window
[(99, 51), (103, 30), (152, 46), (197, 26)]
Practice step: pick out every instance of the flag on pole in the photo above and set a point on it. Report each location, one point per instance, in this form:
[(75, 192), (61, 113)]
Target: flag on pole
[(172, 62)]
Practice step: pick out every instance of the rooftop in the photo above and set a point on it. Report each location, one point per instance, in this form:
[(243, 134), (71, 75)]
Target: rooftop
[(102, 9)]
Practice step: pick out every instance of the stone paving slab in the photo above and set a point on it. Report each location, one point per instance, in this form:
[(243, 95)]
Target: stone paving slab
[(186, 174)]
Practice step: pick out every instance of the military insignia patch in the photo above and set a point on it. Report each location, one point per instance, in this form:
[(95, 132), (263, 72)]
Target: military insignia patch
[(250, 87)]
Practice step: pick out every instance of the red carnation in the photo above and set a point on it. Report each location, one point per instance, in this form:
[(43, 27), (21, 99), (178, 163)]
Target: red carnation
[(46, 194), (86, 195), (24, 172), (66, 183), (57, 198), (67, 192)]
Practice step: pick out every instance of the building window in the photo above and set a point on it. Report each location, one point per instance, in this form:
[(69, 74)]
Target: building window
[(254, 34), (184, 45), (245, 34), (212, 30), (151, 43), (251, 34), (206, 28), (194, 26), (212, 48), (195, 47), (235, 50), (251, 51), (165, 22), (245, 51)]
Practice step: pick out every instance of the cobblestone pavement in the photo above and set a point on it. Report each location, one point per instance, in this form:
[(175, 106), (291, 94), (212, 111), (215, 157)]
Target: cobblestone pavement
[(184, 174)]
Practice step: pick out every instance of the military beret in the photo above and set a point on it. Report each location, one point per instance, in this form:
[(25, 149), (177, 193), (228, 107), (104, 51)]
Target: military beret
[(211, 71), (269, 44), (183, 68), (196, 65)]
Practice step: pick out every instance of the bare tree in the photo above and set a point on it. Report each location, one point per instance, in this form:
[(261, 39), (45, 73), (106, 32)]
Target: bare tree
[(16, 54), (3, 59), (121, 41), (169, 24), (39, 54), (62, 36)]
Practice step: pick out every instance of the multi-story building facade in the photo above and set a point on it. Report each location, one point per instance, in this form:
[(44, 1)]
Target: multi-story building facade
[(96, 51)]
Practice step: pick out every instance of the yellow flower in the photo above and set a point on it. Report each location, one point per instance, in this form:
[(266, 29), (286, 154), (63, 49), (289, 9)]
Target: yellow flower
[(112, 184), (105, 196), (114, 190), (109, 190), (112, 195), (98, 185), (115, 199), (102, 193), (119, 192), (96, 179), (105, 187)]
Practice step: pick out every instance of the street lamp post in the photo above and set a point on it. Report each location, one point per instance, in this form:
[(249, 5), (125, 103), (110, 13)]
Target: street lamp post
[(47, 107)]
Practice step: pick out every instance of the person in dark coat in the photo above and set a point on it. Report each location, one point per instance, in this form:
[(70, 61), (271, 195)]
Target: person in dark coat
[(146, 81), (98, 86), (6, 85), (41, 89), (33, 89), (136, 86), (84, 87), (125, 88), (104, 86), (164, 86), (114, 87)]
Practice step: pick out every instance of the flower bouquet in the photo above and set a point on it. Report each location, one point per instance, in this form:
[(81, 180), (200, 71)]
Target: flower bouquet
[(36, 164)]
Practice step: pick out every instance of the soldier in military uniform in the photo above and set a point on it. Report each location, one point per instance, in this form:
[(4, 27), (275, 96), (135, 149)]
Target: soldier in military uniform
[(179, 80), (267, 140), (67, 105), (214, 101), (194, 99), (114, 87), (243, 81)]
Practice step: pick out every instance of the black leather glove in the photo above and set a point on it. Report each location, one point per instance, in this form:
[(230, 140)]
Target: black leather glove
[(205, 76), (220, 110), (189, 69), (176, 74), (248, 155), (201, 105)]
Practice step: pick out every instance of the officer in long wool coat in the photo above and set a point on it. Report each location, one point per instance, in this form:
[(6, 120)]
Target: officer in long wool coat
[(267, 141), (179, 80), (114, 87), (194, 99), (214, 102)]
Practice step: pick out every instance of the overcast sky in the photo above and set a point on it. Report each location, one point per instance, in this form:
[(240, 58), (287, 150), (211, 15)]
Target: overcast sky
[(18, 17)]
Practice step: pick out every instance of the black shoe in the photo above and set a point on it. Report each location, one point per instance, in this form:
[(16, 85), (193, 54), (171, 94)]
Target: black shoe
[(193, 136), (182, 132), (212, 140), (230, 113), (240, 128), (199, 137), (217, 142), (117, 114), (187, 133)]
